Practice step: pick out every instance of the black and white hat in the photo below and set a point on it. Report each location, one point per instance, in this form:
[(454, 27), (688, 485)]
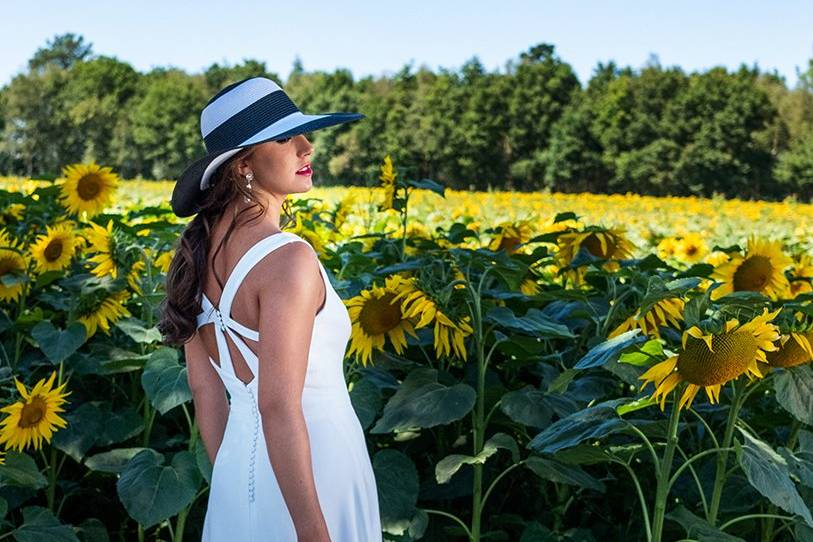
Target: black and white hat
[(251, 111)]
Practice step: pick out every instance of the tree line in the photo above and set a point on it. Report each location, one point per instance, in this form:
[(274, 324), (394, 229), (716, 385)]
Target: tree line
[(530, 126)]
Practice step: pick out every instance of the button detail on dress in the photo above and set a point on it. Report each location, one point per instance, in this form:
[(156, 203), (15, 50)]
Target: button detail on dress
[(253, 452)]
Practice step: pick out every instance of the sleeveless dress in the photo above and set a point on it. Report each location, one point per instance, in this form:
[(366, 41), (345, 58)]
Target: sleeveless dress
[(245, 502)]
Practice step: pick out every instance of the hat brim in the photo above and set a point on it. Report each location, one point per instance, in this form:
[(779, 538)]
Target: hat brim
[(187, 193)]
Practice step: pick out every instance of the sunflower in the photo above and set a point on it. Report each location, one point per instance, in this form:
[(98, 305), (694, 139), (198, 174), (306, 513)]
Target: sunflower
[(344, 209), (605, 243), (54, 250), (710, 360), (102, 242), (87, 188), (35, 417), (662, 313), (448, 334), (667, 248), (511, 236), (761, 270), (691, 248), (13, 267), (132, 277), (802, 281), (104, 313), (716, 258), (529, 286), (387, 179), (795, 348), (13, 212), (377, 315), (162, 262)]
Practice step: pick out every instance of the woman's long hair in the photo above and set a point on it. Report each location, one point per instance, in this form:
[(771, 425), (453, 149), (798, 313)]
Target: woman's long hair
[(184, 281)]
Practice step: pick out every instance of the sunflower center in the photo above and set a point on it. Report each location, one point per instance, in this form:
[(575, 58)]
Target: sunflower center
[(509, 244), (733, 352), (791, 354), (380, 315), (89, 186), (32, 412), (53, 251), (593, 245), (753, 274), (691, 250), (6, 265)]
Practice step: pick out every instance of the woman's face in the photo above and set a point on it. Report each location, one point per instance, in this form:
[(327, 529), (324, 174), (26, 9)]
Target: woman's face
[(277, 166)]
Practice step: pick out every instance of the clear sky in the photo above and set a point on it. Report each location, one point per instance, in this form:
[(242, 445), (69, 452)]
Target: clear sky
[(380, 37)]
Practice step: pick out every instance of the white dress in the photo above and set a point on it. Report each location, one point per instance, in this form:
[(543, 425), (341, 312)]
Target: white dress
[(245, 502)]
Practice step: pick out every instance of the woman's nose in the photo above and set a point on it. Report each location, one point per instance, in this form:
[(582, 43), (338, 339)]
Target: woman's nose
[(305, 146)]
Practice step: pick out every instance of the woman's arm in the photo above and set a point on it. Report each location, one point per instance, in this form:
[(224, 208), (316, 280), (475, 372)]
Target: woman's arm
[(291, 293), (208, 395)]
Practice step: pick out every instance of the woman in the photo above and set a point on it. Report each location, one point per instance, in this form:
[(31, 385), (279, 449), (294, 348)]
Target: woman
[(289, 457)]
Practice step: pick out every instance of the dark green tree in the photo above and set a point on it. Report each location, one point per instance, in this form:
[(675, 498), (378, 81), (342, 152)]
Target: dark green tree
[(63, 51)]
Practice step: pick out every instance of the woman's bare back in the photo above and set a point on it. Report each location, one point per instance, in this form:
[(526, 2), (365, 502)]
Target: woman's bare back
[(245, 308)]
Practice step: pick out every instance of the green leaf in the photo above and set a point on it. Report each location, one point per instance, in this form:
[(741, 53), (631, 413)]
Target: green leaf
[(593, 422), (397, 482), (152, 492), (58, 345), (202, 459), (92, 530), (366, 399), (794, 392), (638, 404), (527, 406), (449, 465), (559, 384), (165, 381), (421, 401), (427, 184), (119, 426), (94, 424), (20, 469), (85, 423), (112, 461), (39, 524), (554, 471), (649, 353), (800, 465), (535, 323), (699, 529), (768, 473), (134, 328), (610, 349)]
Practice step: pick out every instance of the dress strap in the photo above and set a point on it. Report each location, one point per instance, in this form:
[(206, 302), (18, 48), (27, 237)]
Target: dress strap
[(252, 256), (222, 317)]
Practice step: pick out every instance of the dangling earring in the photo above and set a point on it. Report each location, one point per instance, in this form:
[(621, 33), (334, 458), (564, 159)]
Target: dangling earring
[(249, 178)]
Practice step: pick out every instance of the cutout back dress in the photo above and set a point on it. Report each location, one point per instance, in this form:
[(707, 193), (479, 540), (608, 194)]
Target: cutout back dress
[(245, 501)]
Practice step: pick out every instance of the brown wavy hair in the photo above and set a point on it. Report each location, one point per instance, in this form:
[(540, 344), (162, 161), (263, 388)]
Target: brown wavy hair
[(184, 281)]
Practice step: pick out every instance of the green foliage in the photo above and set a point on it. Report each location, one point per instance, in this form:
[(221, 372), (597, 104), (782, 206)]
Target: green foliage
[(152, 491), (656, 130)]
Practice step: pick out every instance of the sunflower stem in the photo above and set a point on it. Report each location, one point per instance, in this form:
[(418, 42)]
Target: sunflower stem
[(179, 525), (450, 516), (478, 416), (722, 459), (662, 491)]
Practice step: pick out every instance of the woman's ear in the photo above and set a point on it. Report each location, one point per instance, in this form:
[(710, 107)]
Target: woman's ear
[(242, 167)]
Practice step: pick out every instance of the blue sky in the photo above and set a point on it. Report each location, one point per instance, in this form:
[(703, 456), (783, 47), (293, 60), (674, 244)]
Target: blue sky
[(380, 37)]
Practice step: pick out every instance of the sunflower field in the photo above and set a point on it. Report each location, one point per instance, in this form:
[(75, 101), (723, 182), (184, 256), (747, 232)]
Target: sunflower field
[(526, 367)]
